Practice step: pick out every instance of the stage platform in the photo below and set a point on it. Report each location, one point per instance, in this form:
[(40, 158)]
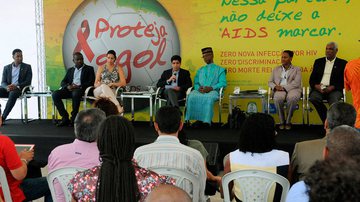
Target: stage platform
[(46, 136)]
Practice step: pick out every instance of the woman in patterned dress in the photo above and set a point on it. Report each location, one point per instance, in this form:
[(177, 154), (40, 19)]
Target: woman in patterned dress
[(118, 177), (108, 78)]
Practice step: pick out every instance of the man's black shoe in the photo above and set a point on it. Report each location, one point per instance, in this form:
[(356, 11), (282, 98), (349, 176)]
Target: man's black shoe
[(63, 122), (3, 120)]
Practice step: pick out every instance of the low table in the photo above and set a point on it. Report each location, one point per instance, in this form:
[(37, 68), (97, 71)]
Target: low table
[(247, 95), (139, 95), (38, 95)]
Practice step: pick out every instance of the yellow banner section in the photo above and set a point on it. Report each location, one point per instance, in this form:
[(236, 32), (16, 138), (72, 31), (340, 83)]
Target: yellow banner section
[(247, 36)]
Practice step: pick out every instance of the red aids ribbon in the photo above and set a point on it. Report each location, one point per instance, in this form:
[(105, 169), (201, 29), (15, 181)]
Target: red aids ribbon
[(82, 43)]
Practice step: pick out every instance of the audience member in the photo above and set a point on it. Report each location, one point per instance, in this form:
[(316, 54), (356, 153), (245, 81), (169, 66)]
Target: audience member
[(327, 80), (16, 76), (118, 177), (342, 143), (108, 78), (83, 152), (306, 153), (175, 82), (334, 180), (15, 167), (106, 106), (352, 82), (196, 144), (73, 86), (256, 150), (207, 83), (167, 151), (285, 81), (168, 193)]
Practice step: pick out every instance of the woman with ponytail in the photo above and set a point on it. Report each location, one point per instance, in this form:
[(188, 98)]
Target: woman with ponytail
[(118, 177)]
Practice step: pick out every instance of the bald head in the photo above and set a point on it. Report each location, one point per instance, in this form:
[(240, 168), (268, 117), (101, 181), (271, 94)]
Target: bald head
[(343, 141), (168, 193)]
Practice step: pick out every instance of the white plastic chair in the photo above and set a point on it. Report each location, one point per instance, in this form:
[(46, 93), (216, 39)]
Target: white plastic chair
[(5, 185), (181, 177), (21, 98), (255, 185), (63, 175), (159, 99), (221, 97), (302, 99)]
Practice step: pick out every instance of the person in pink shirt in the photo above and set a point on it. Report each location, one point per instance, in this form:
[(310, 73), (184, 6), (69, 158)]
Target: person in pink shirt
[(83, 152)]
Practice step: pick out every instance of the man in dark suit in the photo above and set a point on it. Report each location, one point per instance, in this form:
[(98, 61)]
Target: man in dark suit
[(175, 82), (327, 80), (15, 77), (74, 84)]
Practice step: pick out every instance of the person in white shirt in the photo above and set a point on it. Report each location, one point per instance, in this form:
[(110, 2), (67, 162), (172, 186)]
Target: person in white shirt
[(327, 80), (167, 151), (256, 150)]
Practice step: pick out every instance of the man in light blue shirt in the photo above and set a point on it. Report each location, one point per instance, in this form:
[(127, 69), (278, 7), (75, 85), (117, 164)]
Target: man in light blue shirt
[(16, 76), (77, 79)]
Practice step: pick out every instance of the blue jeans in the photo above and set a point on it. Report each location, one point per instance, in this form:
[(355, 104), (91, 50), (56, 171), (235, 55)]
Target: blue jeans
[(35, 188)]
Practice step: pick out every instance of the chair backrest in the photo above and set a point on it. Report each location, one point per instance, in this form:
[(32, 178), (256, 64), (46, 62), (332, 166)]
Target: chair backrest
[(5, 185), (63, 175), (181, 177), (255, 185)]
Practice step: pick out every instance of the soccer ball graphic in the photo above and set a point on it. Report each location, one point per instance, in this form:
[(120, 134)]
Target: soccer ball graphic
[(141, 32)]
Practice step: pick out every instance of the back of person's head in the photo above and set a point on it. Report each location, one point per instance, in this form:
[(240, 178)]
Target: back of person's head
[(257, 134), (86, 124), (168, 119), (116, 143), (340, 113), (107, 106), (343, 141), (334, 180), (168, 193)]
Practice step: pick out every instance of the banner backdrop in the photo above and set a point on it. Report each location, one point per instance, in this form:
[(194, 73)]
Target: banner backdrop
[(247, 36)]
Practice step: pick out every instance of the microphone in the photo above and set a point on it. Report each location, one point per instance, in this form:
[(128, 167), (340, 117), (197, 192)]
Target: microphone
[(175, 76)]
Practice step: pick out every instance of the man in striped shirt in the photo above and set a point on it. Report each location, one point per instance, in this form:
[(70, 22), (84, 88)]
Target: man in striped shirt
[(168, 152)]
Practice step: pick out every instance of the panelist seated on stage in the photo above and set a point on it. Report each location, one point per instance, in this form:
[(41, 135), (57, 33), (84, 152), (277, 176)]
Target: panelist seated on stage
[(109, 77), (15, 77), (285, 81), (209, 79), (73, 86), (175, 82), (327, 80)]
